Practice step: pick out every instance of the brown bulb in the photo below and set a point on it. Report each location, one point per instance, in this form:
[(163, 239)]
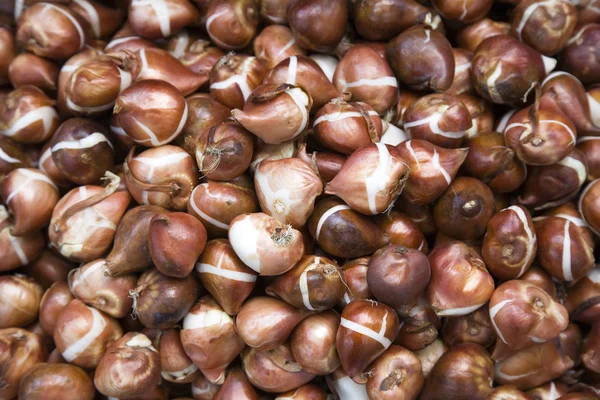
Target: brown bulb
[(56, 380), (316, 25), (396, 374)]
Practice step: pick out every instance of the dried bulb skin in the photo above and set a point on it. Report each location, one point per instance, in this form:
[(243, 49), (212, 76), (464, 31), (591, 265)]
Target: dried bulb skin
[(20, 351), (541, 278), (591, 351), (54, 300), (468, 12), (565, 250), (465, 209), (92, 286), (152, 20), (104, 21), (461, 84), (203, 389), (48, 268), (402, 230), (29, 69), (354, 274), (510, 243), (371, 179), (265, 244), (20, 302), (472, 35), (131, 252), (493, 163), (460, 283), (590, 147), (430, 355), (265, 322), (548, 390), (551, 185), (432, 169), (81, 150), (508, 393), (130, 367), (30, 197), (60, 380), (78, 321), (275, 43), (541, 362), (418, 326), (28, 116), (504, 69), (343, 232), (8, 52), (161, 301), (13, 156), (313, 343), (168, 235), (396, 374), (236, 386), (326, 164), (264, 151), (465, 371), (200, 57), (475, 327), (366, 330), (583, 298), (274, 11), (232, 24), (306, 392), (205, 328), (225, 276), (524, 314), (151, 112), (314, 284), (275, 113), (397, 276), (422, 59), (234, 77), (375, 85), (17, 251), (578, 57), (589, 205), (52, 31), (318, 26), (274, 370)]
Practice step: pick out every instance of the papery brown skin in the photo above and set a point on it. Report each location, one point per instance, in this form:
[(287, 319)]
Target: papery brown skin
[(234, 77), (176, 366), (583, 298), (313, 343), (439, 118), (475, 327), (465, 209), (565, 250), (52, 31), (14, 156), (271, 44), (54, 300), (419, 326), (81, 150), (589, 205), (354, 273), (274, 11), (89, 284), (548, 390), (492, 162), (75, 322), (29, 69), (309, 391), (432, 169), (203, 389), (591, 350), (201, 57), (344, 232), (508, 393), (20, 301), (422, 215), (130, 367), (305, 72), (461, 83), (504, 69), (326, 164), (422, 59), (551, 185), (468, 12), (161, 301), (383, 21), (346, 127), (48, 268), (17, 251), (524, 314), (60, 380), (402, 230), (131, 252), (28, 116), (263, 151), (580, 56), (466, 370), (590, 147), (431, 354), (206, 327), (397, 373), (225, 151), (146, 19), (357, 350), (275, 113), (266, 322), (30, 197), (460, 283), (20, 351), (168, 235), (540, 363), (273, 370), (318, 26), (126, 39), (232, 24), (375, 85), (542, 279), (203, 113), (482, 113), (237, 386), (8, 53), (472, 35), (510, 243), (103, 21), (371, 179), (46, 165)]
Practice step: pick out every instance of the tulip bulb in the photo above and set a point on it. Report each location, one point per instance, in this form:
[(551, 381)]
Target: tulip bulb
[(160, 19), (397, 373), (234, 77), (20, 351), (313, 343), (275, 43)]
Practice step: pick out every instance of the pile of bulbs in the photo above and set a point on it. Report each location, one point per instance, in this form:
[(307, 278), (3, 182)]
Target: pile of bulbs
[(299, 199)]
